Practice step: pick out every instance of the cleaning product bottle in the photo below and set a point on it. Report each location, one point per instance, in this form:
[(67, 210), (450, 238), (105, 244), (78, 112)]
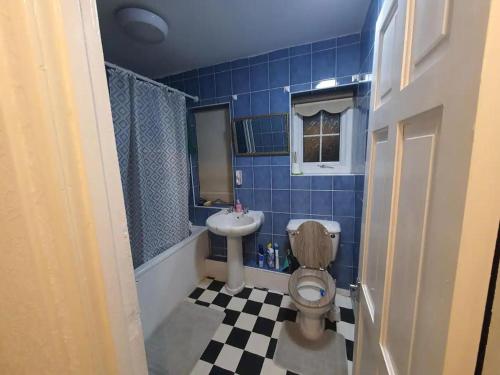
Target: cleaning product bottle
[(238, 207), (261, 256), (276, 256), (270, 255)]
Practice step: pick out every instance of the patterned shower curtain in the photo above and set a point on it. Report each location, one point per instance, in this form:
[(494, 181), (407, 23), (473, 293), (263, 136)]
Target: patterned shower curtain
[(150, 132)]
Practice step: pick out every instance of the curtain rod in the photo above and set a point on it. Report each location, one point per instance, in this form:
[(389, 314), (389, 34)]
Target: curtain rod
[(153, 82)]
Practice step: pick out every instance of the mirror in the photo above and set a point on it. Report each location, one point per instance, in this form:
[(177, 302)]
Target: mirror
[(261, 135)]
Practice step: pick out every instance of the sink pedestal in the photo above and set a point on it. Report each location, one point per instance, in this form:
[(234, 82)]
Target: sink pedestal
[(235, 225), (235, 271)]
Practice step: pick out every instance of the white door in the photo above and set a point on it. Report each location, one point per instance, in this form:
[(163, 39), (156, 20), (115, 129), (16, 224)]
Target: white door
[(427, 67)]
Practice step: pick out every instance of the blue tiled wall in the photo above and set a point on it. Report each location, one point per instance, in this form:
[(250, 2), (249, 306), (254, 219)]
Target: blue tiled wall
[(259, 83)]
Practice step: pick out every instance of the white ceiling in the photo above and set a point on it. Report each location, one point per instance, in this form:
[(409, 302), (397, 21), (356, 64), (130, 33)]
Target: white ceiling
[(207, 32)]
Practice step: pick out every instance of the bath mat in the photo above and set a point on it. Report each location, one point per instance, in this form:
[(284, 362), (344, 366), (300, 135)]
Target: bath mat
[(178, 343), (327, 355)]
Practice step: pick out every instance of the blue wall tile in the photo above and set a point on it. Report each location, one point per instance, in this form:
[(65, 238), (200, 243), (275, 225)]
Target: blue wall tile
[(300, 50), (348, 39), (260, 103), (261, 160), (346, 228), (192, 86), (259, 77), (281, 177), (300, 87), (281, 200), (358, 204), (262, 200), (206, 70), (241, 80), (222, 67), (345, 254), (324, 44), (323, 65), (301, 182), (262, 177), (247, 174), (267, 226), (343, 182), (321, 202), (223, 84), (280, 101), (207, 87), (242, 106), (239, 63), (300, 69), (279, 73), (246, 197), (321, 183), (258, 59), (348, 60), (243, 161), (343, 203), (279, 54), (280, 160), (280, 221), (300, 201), (359, 182)]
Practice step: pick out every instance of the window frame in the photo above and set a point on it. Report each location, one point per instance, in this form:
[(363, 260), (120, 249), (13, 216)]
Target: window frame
[(344, 165)]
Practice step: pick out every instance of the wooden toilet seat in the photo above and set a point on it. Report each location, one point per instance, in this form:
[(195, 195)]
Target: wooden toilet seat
[(302, 274)]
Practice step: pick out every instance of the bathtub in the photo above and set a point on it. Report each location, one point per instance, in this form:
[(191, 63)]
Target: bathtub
[(168, 278)]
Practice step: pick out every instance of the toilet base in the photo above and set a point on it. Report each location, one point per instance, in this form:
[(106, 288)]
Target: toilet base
[(312, 327)]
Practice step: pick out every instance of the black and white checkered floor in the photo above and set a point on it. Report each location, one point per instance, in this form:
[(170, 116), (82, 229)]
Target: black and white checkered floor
[(246, 340)]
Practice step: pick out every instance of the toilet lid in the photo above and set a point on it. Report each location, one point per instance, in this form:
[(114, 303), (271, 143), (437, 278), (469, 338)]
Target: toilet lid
[(313, 246)]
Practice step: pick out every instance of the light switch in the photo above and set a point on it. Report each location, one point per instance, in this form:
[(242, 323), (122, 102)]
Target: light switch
[(239, 177)]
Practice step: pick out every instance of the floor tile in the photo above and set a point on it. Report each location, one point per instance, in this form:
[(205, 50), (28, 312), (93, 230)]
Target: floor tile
[(236, 304), (250, 364), (287, 302), (252, 307), (246, 321), (212, 351), (269, 311), (273, 299), (258, 295), (264, 326), (346, 329), (207, 296), (229, 358), (222, 333), (258, 344)]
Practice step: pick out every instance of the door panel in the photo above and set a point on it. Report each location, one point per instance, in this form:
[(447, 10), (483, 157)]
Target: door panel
[(418, 138), (378, 218), (425, 90)]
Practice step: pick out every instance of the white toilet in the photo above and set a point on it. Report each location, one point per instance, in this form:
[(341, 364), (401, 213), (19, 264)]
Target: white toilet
[(314, 243)]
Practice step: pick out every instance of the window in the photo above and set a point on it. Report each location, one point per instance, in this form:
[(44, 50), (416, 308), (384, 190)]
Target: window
[(322, 136)]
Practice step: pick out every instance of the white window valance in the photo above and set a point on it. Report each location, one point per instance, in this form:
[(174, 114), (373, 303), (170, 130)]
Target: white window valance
[(331, 106)]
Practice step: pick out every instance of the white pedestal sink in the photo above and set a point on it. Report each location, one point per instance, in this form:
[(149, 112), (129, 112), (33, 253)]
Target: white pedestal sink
[(234, 225)]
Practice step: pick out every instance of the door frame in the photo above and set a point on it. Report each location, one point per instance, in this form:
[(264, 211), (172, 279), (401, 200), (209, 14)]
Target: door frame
[(480, 216)]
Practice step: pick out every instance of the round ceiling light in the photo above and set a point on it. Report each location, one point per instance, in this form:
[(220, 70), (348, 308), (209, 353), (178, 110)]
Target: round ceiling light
[(142, 25)]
